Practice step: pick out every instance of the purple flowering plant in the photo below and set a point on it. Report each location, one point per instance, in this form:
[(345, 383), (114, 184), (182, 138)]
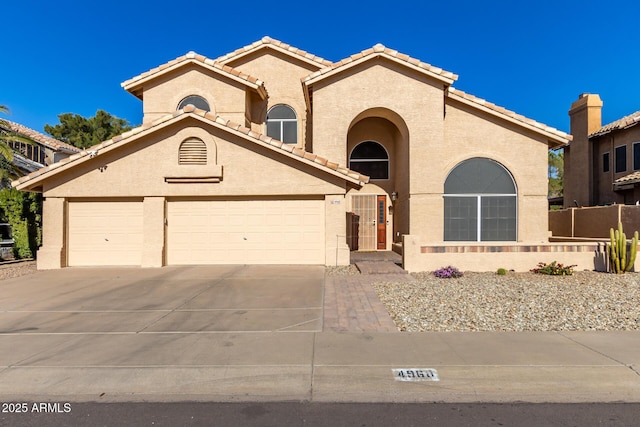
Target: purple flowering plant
[(448, 272)]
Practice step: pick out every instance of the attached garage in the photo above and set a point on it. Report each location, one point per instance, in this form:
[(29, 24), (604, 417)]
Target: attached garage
[(105, 233), (245, 232)]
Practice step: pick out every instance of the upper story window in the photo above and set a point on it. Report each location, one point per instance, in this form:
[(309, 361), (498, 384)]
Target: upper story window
[(636, 156), (30, 151), (195, 100), (282, 124), (606, 162), (621, 158), (480, 202), (193, 151), (371, 159)]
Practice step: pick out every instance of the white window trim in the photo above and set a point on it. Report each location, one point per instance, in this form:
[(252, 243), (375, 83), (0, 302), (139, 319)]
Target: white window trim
[(479, 213), (282, 121)]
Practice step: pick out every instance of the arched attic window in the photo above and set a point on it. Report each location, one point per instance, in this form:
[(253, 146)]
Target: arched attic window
[(480, 202), (282, 124), (193, 151), (371, 159), (195, 100)]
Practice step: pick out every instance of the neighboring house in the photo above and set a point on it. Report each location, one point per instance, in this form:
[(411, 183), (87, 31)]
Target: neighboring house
[(602, 164), (44, 151), (273, 155)]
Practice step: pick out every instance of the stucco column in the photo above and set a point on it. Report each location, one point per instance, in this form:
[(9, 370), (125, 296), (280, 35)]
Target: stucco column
[(153, 211), (336, 248), (52, 254)]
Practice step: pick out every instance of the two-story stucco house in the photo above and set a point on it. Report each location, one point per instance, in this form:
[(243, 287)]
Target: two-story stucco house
[(270, 154), (602, 164)]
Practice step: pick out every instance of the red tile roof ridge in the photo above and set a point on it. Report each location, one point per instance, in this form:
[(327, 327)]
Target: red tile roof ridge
[(512, 114), (380, 49), (622, 123), (193, 56), (36, 136), (191, 110), (267, 41)]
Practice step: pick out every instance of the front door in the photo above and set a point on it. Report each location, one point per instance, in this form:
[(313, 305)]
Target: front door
[(381, 227), (368, 231)]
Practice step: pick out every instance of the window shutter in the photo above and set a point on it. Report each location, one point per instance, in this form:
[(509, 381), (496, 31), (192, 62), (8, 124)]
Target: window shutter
[(193, 151)]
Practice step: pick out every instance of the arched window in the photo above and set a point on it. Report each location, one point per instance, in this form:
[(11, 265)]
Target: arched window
[(193, 151), (195, 100), (371, 159), (480, 202), (282, 124)]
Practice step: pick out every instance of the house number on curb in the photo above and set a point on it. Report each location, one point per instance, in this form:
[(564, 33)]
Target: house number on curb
[(414, 374)]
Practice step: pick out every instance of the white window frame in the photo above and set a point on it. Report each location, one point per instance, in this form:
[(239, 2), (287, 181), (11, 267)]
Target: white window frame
[(282, 121)]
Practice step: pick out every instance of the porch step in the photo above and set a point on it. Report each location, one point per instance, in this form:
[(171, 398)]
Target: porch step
[(379, 267)]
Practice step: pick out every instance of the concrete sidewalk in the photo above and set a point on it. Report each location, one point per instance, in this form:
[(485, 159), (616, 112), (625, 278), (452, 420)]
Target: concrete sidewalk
[(257, 333), (321, 366)]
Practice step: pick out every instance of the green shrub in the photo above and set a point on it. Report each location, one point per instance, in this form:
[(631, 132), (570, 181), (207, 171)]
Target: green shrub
[(502, 271), (23, 211), (554, 269)]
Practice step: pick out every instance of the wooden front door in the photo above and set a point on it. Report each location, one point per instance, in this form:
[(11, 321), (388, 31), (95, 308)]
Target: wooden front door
[(381, 226)]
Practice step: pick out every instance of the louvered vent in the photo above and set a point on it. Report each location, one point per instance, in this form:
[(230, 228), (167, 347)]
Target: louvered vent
[(193, 151)]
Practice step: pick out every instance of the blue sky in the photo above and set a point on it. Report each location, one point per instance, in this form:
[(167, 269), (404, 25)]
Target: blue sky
[(531, 57)]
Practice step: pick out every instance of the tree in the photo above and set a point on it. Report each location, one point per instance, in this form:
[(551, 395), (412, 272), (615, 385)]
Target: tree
[(84, 132), (556, 173)]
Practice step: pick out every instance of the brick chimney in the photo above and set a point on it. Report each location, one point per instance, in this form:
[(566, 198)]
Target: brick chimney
[(586, 117)]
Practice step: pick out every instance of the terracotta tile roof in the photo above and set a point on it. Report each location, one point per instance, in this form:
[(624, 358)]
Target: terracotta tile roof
[(190, 111), (268, 42), (623, 123), (40, 138), (632, 178), (377, 51), (561, 138), (132, 85)]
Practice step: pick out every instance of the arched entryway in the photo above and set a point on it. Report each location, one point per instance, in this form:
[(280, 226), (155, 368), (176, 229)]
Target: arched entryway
[(378, 146)]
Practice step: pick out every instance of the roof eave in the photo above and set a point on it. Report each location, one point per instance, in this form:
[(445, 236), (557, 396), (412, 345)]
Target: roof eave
[(225, 125), (135, 85), (447, 78), (554, 141)]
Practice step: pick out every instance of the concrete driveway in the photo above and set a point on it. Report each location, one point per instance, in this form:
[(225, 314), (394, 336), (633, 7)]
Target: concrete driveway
[(172, 299)]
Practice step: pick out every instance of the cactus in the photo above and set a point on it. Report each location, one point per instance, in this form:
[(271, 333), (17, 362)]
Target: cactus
[(617, 250)]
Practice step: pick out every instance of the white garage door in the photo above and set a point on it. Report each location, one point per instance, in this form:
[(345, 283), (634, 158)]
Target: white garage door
[(246, 232), (105, 233)]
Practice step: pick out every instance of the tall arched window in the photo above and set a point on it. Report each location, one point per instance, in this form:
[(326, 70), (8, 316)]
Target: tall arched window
[(195, 100), (371, 159), (193, 151), (282, 124), (480, 202)]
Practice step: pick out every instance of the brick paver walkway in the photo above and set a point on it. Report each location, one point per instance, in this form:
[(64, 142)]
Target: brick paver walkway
[(351, 304)]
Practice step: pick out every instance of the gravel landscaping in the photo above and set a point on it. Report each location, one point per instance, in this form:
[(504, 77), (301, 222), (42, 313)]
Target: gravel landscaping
[(16, 269), (515, 302)]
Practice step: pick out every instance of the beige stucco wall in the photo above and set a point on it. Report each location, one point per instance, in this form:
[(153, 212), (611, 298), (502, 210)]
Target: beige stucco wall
[(585, 256), (226, 97), (281, 74), (377, 84), (471, 133), (139, 169)]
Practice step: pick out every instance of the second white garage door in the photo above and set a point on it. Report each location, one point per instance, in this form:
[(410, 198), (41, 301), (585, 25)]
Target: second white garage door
[(246, 232)]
